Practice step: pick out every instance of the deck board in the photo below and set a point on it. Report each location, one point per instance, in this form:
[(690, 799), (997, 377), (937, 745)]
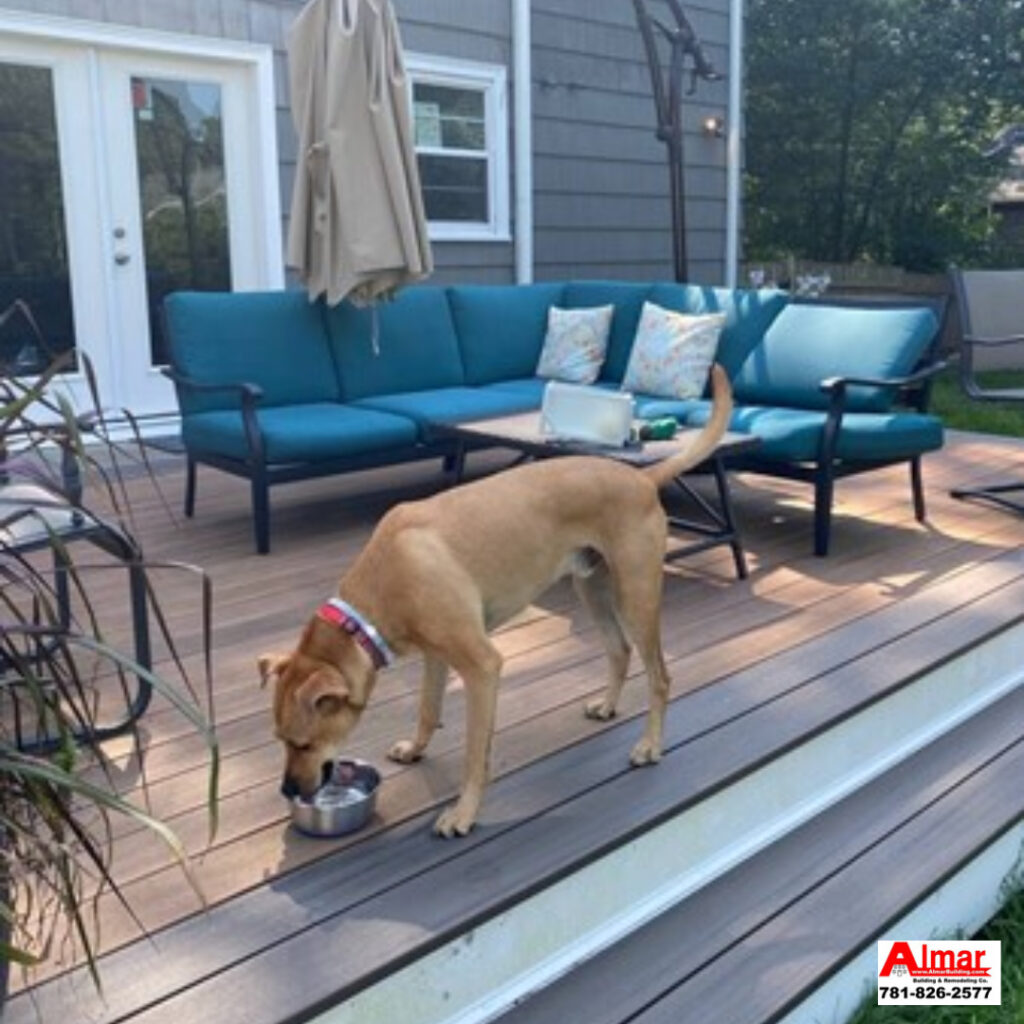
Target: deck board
[(719, 633), (662, 957)]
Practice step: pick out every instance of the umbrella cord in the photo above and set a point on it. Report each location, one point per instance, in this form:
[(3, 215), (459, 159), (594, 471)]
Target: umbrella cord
[(375, 329)]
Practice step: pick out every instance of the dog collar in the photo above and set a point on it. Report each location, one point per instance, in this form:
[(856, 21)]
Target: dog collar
[(341, 614)]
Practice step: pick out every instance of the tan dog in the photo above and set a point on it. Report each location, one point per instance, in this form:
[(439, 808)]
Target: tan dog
[(438, 574)]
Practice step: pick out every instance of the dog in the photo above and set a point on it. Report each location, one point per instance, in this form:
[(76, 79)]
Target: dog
[(438, 574)]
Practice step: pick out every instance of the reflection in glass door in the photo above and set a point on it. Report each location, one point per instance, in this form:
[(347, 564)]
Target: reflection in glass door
[(33, 235), (183, 207), (183, 192)]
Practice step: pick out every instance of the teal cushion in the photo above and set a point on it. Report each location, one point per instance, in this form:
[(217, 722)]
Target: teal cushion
[(652, 407), (748, 315), (451, 405), (628, 299), (806, 344), (794, 435), (274, 339), (501, 328), (416, 340), (530, 388), (306, 433)]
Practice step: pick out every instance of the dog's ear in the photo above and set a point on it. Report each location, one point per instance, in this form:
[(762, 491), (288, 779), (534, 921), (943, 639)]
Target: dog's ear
[(271, 665), (324, 692)]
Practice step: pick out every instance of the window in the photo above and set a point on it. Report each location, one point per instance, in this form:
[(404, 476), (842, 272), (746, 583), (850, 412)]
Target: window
[(460, 127)]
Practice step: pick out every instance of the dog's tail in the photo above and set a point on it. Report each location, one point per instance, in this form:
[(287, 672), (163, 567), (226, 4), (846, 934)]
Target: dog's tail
[(706, 441)]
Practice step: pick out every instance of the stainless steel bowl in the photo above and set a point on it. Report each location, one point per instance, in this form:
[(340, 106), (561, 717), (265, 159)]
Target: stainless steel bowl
[(343, 804)]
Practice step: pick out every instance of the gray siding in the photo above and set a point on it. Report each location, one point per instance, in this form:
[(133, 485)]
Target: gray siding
[(600, 176)]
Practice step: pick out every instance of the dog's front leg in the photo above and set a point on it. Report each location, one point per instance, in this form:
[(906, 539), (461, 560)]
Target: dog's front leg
[(481, 682), (435, 679)]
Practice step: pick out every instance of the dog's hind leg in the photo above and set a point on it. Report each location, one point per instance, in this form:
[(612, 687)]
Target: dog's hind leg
[(596, 594), (435, 679), (639, 603)]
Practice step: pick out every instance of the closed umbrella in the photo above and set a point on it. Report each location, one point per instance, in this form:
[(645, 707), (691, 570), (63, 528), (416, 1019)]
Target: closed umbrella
[(357, 225)]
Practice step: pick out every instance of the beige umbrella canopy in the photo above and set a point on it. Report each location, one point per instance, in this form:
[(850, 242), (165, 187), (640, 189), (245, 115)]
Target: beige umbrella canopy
[(357, 225)]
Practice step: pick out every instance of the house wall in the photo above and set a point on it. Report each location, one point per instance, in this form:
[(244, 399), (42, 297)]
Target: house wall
[(600, 176)]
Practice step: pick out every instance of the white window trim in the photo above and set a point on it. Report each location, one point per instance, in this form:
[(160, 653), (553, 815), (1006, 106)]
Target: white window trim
[(492, 81)]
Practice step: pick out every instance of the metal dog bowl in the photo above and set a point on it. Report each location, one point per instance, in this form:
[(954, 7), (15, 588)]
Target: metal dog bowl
[(343, 804)]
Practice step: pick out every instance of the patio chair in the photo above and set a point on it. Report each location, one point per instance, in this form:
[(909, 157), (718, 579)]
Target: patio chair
[(36, 518), (991, 308)]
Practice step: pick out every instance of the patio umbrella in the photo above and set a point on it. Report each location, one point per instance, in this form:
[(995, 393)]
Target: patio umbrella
[(357, 225)]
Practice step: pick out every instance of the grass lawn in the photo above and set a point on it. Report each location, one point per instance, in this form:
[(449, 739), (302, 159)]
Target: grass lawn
[(1007, 927), (958, 412)]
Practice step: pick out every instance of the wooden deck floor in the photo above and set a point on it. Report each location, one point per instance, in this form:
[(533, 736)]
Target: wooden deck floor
[(714, 627)]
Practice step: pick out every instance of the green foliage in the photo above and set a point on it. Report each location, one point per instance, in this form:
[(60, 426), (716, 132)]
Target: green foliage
[(60, 676), (958, 412), (866, 125)]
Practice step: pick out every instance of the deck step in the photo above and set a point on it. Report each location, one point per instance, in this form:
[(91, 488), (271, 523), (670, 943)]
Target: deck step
[(889, 722), (762, 938)]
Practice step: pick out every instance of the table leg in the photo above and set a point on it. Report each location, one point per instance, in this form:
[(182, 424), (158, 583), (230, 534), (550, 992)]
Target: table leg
[(718, 525)]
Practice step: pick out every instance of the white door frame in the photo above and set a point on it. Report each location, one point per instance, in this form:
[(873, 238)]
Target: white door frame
[(74, 49)]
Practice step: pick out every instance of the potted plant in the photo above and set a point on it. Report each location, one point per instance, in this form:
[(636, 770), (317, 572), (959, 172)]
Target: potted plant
[(59, 672)]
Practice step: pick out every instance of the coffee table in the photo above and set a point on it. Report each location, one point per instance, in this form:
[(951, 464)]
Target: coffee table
[(522, 433)]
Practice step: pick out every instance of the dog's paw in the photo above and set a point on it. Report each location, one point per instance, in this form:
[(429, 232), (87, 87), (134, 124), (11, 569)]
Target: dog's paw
[(599, 710), (453, 822), (405, 752), (645, 752)]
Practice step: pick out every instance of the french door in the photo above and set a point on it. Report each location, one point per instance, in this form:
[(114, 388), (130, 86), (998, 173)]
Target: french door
[(125, 174)]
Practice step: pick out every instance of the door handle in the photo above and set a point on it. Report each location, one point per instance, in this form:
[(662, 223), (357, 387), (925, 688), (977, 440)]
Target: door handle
[(121, 258)]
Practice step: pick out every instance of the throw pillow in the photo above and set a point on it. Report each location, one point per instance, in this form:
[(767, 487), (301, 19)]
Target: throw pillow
[(575, 344), (672, 352)]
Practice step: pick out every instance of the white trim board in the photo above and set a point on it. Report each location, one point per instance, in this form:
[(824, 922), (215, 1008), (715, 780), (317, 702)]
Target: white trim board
[(130, 37)]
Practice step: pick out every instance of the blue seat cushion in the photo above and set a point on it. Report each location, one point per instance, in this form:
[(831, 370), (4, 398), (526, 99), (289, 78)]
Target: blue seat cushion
[(748, 313), (300, 433), (530, 388), (628, 299), (276, 340), (450, 405), (416, 339), (806, 344), (501, 328), (794, 435), (652, 407)]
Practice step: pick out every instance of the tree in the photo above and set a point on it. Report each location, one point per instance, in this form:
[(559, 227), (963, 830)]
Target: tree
[(867, 121)]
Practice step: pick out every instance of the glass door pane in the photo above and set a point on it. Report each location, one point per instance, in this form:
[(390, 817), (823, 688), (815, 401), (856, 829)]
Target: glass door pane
[(33, 229), (179, 141)]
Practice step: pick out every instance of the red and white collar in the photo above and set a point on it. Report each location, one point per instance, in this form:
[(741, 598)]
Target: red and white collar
[(341, 614)]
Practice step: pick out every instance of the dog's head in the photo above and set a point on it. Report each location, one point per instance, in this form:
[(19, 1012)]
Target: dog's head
[(319, 696)]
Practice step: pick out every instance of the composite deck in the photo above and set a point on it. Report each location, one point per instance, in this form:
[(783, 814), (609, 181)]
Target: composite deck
[(732, 647)]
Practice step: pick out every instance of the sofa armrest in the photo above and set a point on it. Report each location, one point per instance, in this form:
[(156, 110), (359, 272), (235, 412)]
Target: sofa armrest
[(832, 385), (251, 393), (249, 397), (836, 389), (970, 339)]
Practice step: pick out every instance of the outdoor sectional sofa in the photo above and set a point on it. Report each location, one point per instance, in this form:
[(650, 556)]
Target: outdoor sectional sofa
[(274, 388)]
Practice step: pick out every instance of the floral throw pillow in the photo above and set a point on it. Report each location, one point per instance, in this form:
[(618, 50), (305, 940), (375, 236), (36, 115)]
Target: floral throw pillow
[(672, 352), (575, 344)]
